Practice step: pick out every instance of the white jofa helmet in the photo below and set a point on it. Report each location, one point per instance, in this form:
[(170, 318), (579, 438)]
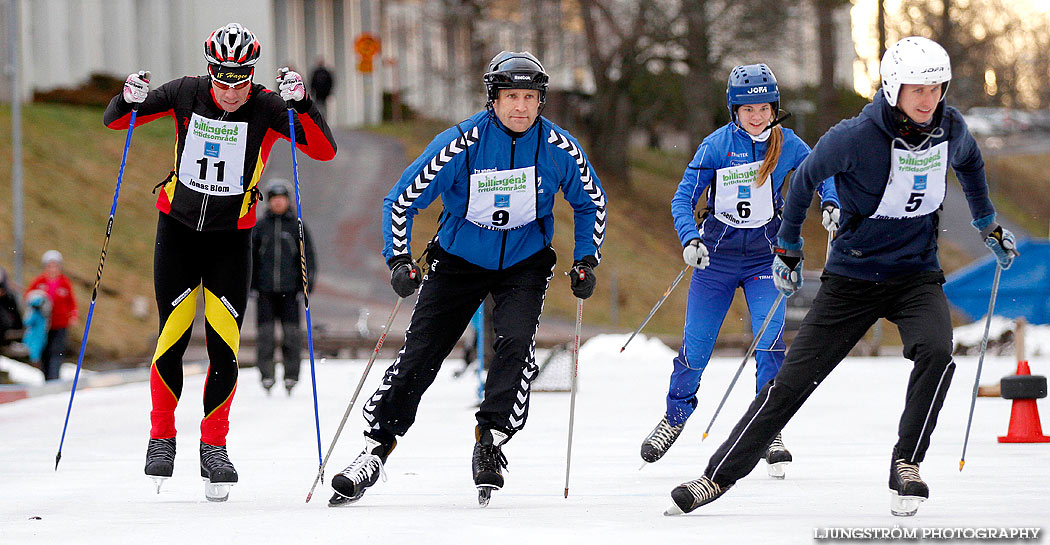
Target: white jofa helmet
[(917, 60)]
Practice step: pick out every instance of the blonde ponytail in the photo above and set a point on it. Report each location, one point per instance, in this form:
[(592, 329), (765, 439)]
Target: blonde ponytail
[(776, 143)]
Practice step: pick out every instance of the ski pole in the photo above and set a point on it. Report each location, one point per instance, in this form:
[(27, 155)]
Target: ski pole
[(98, 275), (353, 399), (750, 350), (656, 307), (572, 388), (306, 291), (980, 361)]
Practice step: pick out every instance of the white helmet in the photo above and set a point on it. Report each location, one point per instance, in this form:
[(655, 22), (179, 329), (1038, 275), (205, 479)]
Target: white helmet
[(917, 60), (51, 256)]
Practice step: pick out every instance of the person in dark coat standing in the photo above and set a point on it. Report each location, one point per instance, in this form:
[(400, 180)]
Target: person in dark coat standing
[(277, 277), (10, 313), (321, 83)]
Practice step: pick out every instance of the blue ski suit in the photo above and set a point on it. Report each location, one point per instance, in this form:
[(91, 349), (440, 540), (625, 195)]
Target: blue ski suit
[(739, 230), (443, 170)]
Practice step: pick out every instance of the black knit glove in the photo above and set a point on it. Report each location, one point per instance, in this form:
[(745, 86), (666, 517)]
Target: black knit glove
[(405, 275), (581, 277)]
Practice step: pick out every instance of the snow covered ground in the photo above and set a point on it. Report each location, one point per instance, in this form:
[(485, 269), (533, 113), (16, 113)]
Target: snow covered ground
[(841, 442)]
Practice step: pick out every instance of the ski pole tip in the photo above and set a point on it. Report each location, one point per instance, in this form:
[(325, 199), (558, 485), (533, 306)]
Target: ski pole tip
[(704, 437), (961, 464), (308, 496), (622, 348), (566, 492)]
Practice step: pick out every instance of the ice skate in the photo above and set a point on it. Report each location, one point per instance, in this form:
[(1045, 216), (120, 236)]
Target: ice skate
[(160, 460), (290, 383), (350, 484), (688, 496), (660, 440), (267, 383), (488, 463), (217, 471), (907, 490), (777, 458)]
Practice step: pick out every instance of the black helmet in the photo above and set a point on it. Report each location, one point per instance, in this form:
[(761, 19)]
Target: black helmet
[(276, 187), (511, 70)]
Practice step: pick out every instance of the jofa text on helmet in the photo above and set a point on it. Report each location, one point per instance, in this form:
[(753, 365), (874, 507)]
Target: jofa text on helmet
[(754, 90)]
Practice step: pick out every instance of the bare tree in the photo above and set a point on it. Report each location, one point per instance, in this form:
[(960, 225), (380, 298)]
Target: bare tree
[(622, 38), (717, 33), (995, 49), (826, 90)]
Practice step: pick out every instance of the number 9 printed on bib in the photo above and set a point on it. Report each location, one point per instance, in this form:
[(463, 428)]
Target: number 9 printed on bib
[(502, 199)]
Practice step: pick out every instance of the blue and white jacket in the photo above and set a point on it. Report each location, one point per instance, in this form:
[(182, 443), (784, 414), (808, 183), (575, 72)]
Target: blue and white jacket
[(443, 170), (731, 146), (857, 152)]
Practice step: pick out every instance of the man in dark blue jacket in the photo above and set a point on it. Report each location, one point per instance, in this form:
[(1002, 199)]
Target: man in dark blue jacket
[(497, 174), (890, 167)]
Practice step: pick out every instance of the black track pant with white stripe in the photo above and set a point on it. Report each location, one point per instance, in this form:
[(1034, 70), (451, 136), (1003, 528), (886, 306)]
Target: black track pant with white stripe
[(448, 297), (841, 314)]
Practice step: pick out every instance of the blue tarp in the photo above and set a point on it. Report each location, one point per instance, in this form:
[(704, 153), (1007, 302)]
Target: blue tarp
[(1024, 289)]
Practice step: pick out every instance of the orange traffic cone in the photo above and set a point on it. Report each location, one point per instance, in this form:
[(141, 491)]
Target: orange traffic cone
[(1024, 417)]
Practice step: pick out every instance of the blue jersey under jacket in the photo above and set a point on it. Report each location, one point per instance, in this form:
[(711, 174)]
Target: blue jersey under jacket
[(857, 153), (730, 146), (443, 170)]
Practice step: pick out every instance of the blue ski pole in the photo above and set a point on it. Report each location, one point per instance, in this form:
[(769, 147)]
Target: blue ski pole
[(98, 278), (306, 291)]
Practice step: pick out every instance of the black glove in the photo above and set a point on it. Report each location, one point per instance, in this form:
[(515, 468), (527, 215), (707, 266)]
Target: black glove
[(581, 277), (405, 275)]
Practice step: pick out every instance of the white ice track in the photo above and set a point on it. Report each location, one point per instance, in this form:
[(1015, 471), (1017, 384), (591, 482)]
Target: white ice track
[(841, 442)]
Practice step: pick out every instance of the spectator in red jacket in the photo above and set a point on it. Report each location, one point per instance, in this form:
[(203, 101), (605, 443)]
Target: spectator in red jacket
[(63, 311)]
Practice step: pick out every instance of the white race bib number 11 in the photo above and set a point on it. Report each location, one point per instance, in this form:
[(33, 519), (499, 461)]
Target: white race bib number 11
[(213, 156)]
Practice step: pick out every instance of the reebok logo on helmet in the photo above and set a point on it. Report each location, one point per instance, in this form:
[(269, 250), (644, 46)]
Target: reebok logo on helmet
[(522, 77)]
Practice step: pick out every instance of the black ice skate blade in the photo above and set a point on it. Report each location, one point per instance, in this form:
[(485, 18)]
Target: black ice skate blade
[(158, 481), (485, 494), (339, 500)]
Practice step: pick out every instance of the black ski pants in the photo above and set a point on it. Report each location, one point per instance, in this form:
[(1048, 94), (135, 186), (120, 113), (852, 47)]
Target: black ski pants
[(842, 312), (448, 297), (283, 307), (187, 262)]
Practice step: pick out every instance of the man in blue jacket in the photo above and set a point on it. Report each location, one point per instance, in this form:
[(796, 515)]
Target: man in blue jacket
[(497, 174), (890, 166)]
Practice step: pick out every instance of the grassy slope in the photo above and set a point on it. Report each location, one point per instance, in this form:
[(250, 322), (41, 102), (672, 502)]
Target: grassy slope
[(1021, 190), (70, 163)]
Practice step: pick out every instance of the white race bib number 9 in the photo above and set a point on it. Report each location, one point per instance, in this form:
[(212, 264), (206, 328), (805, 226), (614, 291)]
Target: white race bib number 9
[(503, 199), (916, 185), (213, 157)]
